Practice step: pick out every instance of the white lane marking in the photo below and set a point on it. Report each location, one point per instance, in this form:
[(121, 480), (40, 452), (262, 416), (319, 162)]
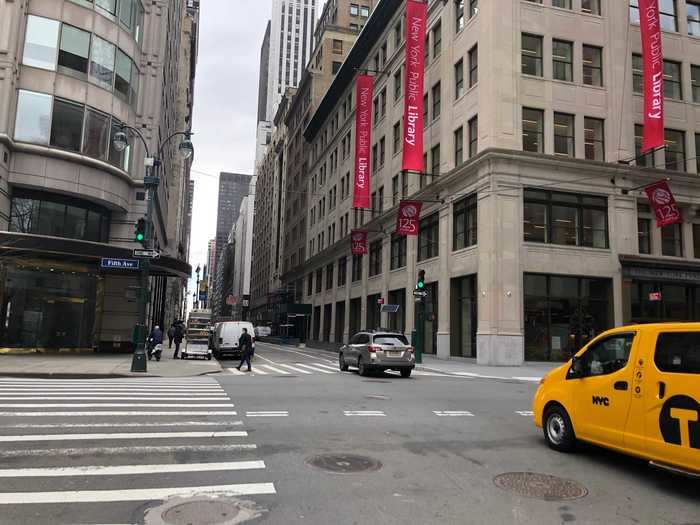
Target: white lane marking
[(101, 398), (528, 378), (305, 354), (275, 370), (130, 393), (102, 496), (125, 470), (256, 370), (236, 372), (128, 424), (82, 388), (107, 382), (333, 368), (452, 413), (316, 369), (120, 435), (268, 413), (470, 374), (99, 413), (368, 413), (290, 367), (525, 413), (423, 373), (99, 451), (116, 405)]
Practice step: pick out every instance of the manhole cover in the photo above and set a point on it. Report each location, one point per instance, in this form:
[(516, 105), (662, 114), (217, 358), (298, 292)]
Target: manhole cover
[(542, 486), (344, 463), (201, 513)]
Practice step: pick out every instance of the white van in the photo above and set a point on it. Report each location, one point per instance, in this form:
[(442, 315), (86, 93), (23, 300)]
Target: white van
[(227, 335)]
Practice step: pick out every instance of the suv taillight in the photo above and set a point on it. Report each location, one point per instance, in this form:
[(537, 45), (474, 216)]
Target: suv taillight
[(373, 348), (410, 349)]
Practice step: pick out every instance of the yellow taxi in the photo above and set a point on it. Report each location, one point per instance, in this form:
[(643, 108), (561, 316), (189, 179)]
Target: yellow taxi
[(634, 389)]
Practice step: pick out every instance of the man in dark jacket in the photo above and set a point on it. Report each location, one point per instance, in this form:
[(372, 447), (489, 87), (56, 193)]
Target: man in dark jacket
[(245, 343), (178, 336), (156, 338)]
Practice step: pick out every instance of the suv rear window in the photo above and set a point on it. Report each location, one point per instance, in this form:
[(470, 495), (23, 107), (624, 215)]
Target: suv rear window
[(678, 352), (390, 340)]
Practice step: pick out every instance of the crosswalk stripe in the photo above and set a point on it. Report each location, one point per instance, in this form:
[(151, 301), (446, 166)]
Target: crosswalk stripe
[(364, 413), (236, 372), (268, 413), (127, 424), (105, 382), (313, 368), (525, 412), (120, 435), (332, 368), (276, 370), (101, 398), (116, 405), (299, 370), (103, 496), (256, 370), (121, 393), (121, 389), (142, 449), (453, 413), (100, 413), (122, 470)]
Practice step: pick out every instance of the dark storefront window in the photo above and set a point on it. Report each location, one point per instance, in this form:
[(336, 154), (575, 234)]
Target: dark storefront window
[(430, 321), (398, 251), (327, 317), (329, 276), (464, 223), (58, 216), (310, 284), (317, 323), (659, 301), (429, 237), (672, 240), (373, 312), (397, 321), (375, 258), (463, 303), (563, 313), (696, 241), (48, 309), (319, 278), (356, 268), (355, 316), (565, 218), (339, 321), (342, 271)]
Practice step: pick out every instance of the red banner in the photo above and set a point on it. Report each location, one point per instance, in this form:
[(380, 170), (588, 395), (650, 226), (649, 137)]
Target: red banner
[(663, 204), (416, 13), (407, 220), (363, 139), (358, 240), (653, 64)]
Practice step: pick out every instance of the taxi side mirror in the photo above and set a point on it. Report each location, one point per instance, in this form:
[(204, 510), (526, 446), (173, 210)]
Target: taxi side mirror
[(576, 370)]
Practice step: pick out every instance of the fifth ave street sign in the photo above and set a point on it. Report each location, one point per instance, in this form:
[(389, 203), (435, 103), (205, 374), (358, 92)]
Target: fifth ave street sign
[(146, 254)]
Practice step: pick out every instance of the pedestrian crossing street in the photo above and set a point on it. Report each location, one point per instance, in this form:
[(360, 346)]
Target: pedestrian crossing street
[(266, 367), (107, 441)]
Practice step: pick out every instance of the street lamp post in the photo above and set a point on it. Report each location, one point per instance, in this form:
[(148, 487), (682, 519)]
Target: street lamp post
[(196, 290), (151, 181)]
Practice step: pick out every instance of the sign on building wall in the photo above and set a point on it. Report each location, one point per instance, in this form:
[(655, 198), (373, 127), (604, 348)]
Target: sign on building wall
[(416, 12), (363, 139), (408, 218), (663, 203), (653, 65), (358, 238)]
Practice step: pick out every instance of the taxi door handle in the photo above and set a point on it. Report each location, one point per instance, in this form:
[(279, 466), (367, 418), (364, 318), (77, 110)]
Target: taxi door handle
[(662, 389), (621, 385)]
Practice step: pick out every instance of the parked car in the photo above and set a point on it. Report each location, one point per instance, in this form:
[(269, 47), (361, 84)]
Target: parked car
[(634, 389), (226, 338), (378, 351)]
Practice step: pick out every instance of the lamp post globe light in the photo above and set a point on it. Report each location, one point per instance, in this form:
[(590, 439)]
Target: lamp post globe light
[(151, 181)]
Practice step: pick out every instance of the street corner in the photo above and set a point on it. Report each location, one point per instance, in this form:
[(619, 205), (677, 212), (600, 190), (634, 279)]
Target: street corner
[(212, 509)]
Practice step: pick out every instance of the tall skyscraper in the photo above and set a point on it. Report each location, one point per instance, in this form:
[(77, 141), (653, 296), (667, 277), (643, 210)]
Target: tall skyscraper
[(233, 188)]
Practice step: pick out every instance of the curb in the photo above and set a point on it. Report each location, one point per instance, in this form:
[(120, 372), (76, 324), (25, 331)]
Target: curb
[(69, 375)]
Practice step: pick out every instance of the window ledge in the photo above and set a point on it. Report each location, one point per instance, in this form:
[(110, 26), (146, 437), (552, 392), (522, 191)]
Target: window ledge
[(466, 249), (398, 270), (533, 77), (428, 261), (563, 247)]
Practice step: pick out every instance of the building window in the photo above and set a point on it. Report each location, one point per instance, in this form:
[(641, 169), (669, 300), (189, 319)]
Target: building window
[(425, 109), (429, 237), (564, 142), (364, 11), (644, 228), (695, 84), (310, 284), (435, 160), (33, 119), (672, 80), (342, 271), (647, 160), (592, 7), (667, 13), (337, 46), (592, 65), (563, 60), (40, 41), (436, 100), (102, 63), (473, 66), (531, 55), (533, 130), (382, 151), (563, 4), (672, 240), (67, 125), (398, 251), (437, 39), (563, 313), (319, 277), (693, 13), (398, 34), (395, 196), (473, 8), (464, 217), (565, 218), (382, 102), (404, 184), (459, 146), (375, 258), (634, 12), (96, 135), (397, 85), (354, 10), (674, 148), (336, 66), (594, 138), (459, 15), (473, 136), (356, 268), (329, 276), (637, 74), (397, 137), (74, 52), (459, 79)]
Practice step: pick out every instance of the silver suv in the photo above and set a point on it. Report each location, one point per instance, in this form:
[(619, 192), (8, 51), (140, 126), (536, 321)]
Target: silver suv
[(378, 351)]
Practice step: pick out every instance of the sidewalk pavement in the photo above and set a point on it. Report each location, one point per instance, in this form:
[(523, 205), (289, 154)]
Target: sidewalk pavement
[(97, 365), (531, 371)]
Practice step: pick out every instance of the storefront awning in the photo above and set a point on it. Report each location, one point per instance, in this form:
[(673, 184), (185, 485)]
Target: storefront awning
[(658, 269), (24, 245)]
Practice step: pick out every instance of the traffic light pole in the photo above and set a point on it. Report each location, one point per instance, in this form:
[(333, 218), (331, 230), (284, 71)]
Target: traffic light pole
[(420, 329)]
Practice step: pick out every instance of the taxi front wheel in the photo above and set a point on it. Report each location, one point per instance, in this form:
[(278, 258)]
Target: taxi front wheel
[(558, 430)]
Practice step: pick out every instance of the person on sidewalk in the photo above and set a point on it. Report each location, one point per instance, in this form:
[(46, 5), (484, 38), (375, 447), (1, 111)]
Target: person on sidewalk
[(178, 336), (155, 339), (245, 343), (171, 334)]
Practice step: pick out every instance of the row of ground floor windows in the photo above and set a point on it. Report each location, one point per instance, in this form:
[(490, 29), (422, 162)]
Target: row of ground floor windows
[(560, 313)]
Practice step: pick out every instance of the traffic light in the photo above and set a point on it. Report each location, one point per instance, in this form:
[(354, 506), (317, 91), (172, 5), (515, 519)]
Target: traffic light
[(140, 230), (420, 284)]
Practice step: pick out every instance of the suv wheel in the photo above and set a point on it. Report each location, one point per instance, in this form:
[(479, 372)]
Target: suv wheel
[(558, 430), (406, 372), (342, 364), (362, 368)]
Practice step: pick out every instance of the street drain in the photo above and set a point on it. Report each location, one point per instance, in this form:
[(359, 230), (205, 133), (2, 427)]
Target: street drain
[(210, 512), (540, 486), (344, 463)]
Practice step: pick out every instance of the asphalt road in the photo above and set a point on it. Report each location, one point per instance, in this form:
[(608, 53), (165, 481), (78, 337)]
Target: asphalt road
[(433, 445)]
